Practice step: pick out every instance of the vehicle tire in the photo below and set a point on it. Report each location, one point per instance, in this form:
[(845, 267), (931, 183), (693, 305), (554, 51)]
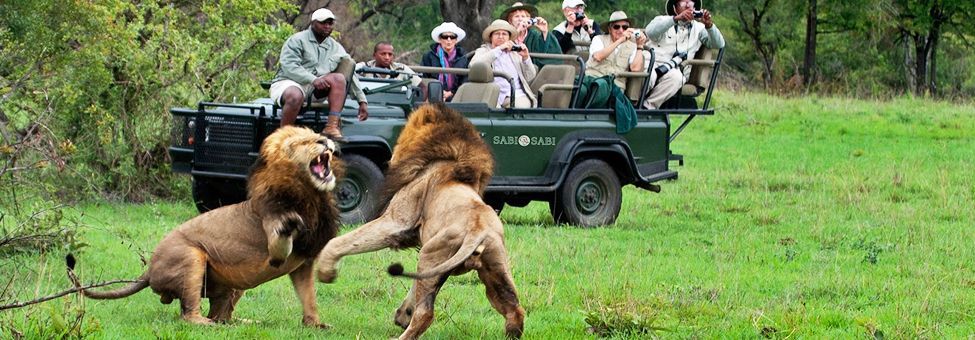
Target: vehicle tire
[(357, 193), (590, 196), (211, 193)]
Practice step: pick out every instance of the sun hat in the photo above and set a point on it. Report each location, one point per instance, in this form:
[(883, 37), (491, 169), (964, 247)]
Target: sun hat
[(573, 3), (497, 25), (322, 14), (447, 27), (519, 6), (616, 16), (671, 4)]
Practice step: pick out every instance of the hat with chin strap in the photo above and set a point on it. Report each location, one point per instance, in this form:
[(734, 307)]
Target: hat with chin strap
[(672, 5)]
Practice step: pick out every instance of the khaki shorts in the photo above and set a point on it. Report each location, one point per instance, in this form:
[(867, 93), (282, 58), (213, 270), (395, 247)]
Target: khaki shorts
[(278, 87)]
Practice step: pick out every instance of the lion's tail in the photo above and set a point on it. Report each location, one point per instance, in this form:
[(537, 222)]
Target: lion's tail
[(130, 289), (472, 245)]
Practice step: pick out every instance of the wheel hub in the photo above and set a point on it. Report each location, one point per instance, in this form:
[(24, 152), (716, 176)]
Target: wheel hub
[(349, 194), (589, 196)]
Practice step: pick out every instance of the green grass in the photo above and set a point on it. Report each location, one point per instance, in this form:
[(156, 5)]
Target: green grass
[(809, 217)]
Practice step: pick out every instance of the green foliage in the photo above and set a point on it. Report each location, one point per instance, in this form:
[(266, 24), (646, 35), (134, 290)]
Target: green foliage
[(110, 75), (45, 228)]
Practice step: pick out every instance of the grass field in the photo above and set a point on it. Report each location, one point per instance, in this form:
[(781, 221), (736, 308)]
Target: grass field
[(811, 217)]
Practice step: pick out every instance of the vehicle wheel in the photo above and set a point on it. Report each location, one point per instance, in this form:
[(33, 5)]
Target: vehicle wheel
[(589, 197), (211, 193), (358, 192)]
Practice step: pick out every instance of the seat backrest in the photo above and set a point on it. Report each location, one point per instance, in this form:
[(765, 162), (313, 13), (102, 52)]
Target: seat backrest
[(479, 87), (701, 67), (554, 74)]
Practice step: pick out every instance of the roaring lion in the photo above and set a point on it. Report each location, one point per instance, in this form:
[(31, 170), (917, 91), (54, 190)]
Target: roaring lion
[(288, 217), (434, 184)]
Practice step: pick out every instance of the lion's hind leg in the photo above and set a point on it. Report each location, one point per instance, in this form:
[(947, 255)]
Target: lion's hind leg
[(500, 287), (222, 304)]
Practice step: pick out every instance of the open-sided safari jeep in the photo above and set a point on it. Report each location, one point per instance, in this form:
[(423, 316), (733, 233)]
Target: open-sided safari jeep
[(571, 158)]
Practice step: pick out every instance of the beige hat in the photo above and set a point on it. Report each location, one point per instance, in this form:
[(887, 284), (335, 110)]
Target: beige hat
[(616, 16), (322, 14), (497, 25), (447, 27), (519, 6)]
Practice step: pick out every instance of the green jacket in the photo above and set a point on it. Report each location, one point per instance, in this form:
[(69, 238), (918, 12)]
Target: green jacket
[(303, 59), (536, 44)]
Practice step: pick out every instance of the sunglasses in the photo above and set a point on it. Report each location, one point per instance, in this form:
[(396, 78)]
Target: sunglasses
[(448, 37), (625, 27)]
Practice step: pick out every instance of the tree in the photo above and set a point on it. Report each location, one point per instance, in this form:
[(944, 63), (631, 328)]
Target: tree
[(471, 15), (921, 25)]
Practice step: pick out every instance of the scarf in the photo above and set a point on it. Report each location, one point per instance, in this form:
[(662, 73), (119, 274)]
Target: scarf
[(445, 59)]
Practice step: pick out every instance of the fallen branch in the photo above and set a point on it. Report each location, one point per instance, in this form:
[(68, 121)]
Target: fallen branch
[(63, 293)]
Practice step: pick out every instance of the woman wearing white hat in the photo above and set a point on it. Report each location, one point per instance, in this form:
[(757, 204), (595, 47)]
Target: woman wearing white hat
[(444, 52), (499, 52)]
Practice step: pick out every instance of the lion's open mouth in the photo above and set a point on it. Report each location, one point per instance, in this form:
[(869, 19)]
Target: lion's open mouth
[(320, 167)]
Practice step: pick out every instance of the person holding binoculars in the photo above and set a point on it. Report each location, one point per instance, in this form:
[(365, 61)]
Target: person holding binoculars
[(675, 38), (576, 27)]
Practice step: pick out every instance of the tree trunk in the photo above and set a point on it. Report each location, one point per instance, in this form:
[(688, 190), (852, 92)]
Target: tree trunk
[(765, 47), (471, 15), (809, 64)]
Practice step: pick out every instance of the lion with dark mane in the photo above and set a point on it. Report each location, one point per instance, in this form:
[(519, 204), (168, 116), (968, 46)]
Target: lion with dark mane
[(288, 217), (433, 196)]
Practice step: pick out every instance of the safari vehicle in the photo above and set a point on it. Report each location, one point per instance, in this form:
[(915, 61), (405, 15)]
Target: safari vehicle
[(571, 158)]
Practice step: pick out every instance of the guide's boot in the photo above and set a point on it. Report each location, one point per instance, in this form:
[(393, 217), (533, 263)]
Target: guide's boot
[(332, 129)]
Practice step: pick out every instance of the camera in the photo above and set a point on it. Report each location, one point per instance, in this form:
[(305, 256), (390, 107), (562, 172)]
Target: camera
[(580, 16), (516, 48), (636, 34), (698, 14), (675, 61), (532, 21)]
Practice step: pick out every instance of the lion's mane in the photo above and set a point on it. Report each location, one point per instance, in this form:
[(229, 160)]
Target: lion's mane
[(436, 133), (277, 184)]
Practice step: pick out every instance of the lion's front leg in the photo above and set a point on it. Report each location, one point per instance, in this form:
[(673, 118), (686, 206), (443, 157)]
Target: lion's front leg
[(381, 233), (305, 288), (281, 231)]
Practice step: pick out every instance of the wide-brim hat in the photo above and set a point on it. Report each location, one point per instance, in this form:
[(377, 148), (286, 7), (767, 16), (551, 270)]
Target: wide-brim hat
[(671, 4), (447, 27), (519, 6), (616, 16), (322, 14), (496, 25)]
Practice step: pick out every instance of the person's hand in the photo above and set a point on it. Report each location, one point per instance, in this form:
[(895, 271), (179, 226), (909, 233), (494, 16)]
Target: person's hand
[(447, 95), (706, 19), (320, 83), (587, 22), (627, 35), (686, 15), (506, 46), (363, 111), (641, 40), (542, 24), (524, 52)]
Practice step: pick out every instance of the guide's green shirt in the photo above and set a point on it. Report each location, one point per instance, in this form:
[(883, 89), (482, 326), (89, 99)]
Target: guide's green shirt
[(303, 59)]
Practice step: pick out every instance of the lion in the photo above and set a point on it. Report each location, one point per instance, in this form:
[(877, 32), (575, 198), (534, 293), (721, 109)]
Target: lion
[(433, 196), (288, 217)]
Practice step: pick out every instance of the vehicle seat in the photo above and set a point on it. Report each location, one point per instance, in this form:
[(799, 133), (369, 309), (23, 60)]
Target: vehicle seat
[(479, 87), (554, 84), (700, 78)]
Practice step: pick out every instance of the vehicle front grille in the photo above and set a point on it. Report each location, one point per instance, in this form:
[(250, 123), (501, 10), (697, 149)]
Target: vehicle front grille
[(224, 144)]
